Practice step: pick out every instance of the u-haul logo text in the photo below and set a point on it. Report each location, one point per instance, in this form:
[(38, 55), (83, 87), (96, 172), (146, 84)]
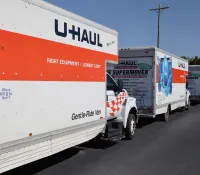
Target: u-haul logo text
[(128, 63), (79, 34), (181, 65)]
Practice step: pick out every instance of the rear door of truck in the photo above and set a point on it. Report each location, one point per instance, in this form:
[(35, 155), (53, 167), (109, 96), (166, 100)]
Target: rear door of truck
[(137, 75), (193, 80)]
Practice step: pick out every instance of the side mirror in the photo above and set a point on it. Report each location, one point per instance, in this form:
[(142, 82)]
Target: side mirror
[(120, 85)]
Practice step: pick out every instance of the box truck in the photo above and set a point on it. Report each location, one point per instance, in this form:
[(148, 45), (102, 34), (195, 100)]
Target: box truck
[(53, 92), (156, 78), (193, 82)]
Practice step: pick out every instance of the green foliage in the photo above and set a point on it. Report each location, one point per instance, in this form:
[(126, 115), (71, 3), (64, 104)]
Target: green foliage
[(193, 61)]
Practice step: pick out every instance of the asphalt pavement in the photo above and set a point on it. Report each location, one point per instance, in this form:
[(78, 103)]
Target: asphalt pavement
[(158, 148)]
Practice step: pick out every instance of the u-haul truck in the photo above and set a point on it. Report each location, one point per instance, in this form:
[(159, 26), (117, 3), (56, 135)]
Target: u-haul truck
[(53, 83), (193, 82), (156, 78)]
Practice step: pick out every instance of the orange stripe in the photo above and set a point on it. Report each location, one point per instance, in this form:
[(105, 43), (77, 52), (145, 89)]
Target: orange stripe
[(178, 76), (25, 58), (156, 73)]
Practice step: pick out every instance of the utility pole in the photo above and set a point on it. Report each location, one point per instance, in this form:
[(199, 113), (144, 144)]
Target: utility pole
[(159, 10)]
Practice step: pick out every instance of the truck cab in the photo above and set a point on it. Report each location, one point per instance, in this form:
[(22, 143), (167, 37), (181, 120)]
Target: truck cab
[(121, 110)]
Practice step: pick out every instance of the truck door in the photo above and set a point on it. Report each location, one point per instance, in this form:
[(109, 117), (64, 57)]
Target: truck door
[(111, 87), (111, 96)]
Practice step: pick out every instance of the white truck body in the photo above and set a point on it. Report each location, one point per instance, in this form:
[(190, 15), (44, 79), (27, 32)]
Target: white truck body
[(193, 80), (52, 80), (157, 79)]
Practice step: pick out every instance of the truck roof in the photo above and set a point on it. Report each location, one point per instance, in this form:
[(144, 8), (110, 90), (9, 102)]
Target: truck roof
[(138, 48), (63, 12), (194, 65), (150, 48)]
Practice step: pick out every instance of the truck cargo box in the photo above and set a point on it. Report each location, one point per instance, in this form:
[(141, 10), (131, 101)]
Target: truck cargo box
[(156, 78), (52, 80), (193, 80)]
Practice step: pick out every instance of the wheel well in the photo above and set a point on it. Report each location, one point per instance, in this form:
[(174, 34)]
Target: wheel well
[(134, 111), (170, 110)]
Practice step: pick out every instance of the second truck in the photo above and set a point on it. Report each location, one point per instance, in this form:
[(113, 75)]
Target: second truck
[(193, 82), (155, 77)]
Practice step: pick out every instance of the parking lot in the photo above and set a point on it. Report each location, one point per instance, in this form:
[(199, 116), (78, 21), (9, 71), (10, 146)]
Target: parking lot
[(158, 148)]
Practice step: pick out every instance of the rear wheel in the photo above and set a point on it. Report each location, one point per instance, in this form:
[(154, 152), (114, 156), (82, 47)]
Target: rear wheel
[(130, 127), (165, 116)]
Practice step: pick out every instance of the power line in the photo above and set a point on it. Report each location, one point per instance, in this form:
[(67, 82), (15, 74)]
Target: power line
[(159, 10)]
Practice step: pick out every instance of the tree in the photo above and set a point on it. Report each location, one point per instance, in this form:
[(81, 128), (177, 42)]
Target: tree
[(186, 58), (198, 62), (192, 61), (195, 60)]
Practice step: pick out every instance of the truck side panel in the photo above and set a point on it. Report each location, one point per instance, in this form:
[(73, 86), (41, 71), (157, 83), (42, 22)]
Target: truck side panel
[(51, 68), (40, 22), (193, 80), (171, 74)]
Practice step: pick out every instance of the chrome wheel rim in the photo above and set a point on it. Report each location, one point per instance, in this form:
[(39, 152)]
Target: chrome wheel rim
[(133, 126)]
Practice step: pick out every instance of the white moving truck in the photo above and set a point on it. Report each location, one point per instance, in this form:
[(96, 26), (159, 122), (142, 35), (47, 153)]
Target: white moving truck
[(156, 78), (193, 81), (53, 82)]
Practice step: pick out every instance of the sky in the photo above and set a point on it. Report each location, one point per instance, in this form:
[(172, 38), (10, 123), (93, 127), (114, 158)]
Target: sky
[(137, 26)]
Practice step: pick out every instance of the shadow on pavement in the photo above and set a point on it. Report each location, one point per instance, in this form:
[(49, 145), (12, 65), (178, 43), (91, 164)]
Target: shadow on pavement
[(144, 122), (98, 143), (45, 163), (148, 121), (195, 103)]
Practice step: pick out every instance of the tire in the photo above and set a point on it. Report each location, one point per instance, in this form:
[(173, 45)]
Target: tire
[(165, 116), (130, 127), (188, 105)]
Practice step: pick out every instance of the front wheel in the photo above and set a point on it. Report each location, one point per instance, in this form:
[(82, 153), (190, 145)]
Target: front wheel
[(188, 104), (130, 127)]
